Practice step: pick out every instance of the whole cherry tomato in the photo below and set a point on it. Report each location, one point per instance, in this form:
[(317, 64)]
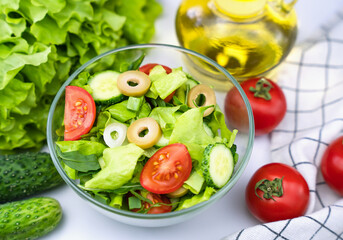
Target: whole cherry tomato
[(277, 191), (332, 165), (267, 101)]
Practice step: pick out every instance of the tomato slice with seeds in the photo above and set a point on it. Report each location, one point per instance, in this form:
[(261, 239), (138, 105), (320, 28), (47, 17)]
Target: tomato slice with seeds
[(147, 68), (167, 169), (79, 113)]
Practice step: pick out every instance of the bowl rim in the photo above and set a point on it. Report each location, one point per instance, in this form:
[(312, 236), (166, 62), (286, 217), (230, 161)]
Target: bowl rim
[(219, 194)]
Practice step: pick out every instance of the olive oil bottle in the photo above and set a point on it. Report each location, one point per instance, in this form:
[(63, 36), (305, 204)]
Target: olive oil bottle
[(249, 38)]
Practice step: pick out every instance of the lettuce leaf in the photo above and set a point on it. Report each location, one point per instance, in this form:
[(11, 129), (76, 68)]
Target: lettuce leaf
[(165, 116), (120, 165), (189, 202), (120, 111), (189, 130), (194, 183), (218, 123), (82, 146), (164, 84)]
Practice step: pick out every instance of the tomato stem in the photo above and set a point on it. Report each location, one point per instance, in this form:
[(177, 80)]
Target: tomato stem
[(262, 89), (269, 188)]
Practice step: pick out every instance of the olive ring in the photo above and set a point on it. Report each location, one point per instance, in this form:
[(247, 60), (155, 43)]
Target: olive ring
[(208, 94), (133, 83), (144, 132)]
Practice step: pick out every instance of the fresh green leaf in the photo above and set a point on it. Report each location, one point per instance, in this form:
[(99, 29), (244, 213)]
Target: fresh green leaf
[(166, 118), (120, 111), (120, 165), (194, 183), (78, 161), (190, 131), (196, 199), (164, 84), (82, 146)]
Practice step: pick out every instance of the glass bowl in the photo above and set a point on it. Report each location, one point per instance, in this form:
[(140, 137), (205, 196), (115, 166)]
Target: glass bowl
[(173, 57)]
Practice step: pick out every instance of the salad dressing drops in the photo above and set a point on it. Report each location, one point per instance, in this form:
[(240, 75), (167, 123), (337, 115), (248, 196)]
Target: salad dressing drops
[(247, 37)]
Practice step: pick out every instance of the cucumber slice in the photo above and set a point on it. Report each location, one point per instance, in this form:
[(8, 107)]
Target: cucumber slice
[(217, 165), (104, 87)]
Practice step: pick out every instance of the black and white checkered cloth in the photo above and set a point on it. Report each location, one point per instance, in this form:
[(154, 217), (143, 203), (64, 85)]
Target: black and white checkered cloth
[(312, 80)]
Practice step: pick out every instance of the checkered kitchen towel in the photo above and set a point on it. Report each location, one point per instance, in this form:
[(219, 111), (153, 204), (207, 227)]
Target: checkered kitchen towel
[(312, 80)]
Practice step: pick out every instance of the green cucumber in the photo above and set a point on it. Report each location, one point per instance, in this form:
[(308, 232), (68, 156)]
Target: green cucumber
[(29, 219), (217, 165), (104, 87), (24, 174)]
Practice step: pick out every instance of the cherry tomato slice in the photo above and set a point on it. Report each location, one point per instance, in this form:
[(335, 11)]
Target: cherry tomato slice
[(167, 169), (147, 68), (156, 198), (79, 113)]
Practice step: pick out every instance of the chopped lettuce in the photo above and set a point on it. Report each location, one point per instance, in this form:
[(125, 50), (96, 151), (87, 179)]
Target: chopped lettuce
[(82, 146), (120, 111), (120, 165), (80, 155), (189, 202), (189, 130), (166, 118), (164, 84), (218, 123), (194, 183)]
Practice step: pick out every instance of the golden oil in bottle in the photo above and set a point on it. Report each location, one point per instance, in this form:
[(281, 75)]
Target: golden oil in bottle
[(246, 37)]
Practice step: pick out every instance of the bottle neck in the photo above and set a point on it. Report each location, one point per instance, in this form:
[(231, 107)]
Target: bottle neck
[(240, 9)]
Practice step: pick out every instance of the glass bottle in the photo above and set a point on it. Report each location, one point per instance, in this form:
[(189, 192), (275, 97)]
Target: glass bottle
[(247, 37)]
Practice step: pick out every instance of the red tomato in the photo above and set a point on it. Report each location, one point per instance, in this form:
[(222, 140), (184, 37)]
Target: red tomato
[(147, 68), (79, 113), (156, 198), (167, 169), (332, 165), (282, 183), (267, 113)]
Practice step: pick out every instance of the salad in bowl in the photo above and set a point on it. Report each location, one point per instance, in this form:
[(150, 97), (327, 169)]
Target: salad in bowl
[(143, 139)]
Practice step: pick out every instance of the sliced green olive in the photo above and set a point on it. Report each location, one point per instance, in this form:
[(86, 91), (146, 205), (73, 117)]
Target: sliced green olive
[(202, 95), (178, 193), (144, 132), (133, 83)]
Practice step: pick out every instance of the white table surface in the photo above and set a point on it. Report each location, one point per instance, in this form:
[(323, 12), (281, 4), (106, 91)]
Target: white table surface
[(226, 216)]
